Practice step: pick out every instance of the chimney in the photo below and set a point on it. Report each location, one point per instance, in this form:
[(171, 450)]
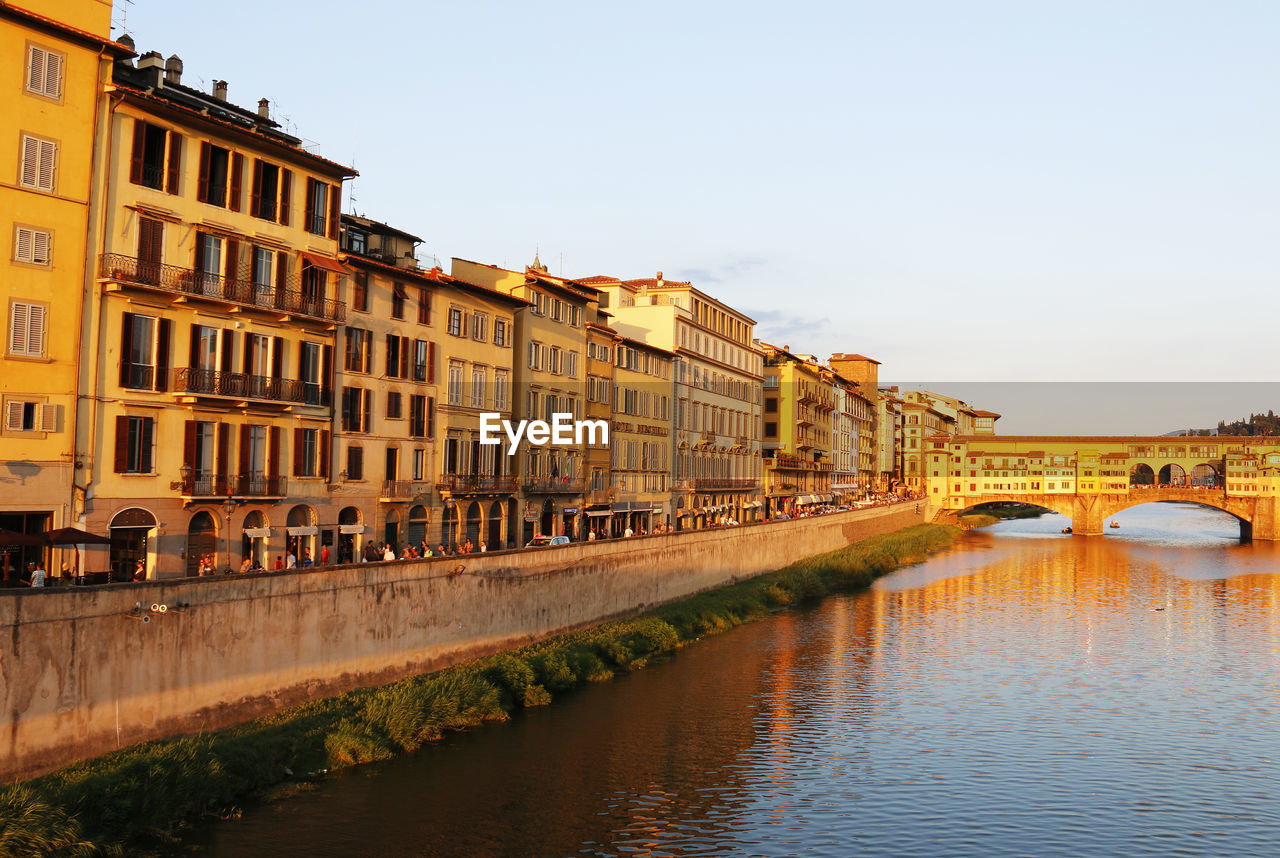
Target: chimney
[(220, 90), (264, 108), (659, 278), (173, 70), (152, 66), (127, 41)]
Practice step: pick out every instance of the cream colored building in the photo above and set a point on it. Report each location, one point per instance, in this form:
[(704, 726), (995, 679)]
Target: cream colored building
[(641, 436)]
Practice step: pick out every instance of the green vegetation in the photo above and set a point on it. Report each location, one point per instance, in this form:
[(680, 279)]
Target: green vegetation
[(144, 797), (1257, 424)]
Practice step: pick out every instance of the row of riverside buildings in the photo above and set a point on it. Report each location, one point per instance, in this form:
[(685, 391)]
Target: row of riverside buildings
[(204, 356)]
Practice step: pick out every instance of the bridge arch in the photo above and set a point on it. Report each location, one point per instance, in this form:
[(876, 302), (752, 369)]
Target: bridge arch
[(1142, 474), (1172, 474), (1205, 474)]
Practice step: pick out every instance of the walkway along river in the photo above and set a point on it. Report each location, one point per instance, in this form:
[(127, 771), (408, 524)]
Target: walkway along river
[(1024, 693)]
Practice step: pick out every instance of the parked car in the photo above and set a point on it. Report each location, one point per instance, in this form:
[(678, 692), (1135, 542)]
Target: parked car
[(545, 541)]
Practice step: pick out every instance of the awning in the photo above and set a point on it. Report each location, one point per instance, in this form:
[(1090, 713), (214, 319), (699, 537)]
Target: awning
[(351, 528), (596, 513), (257, 532), (308, 530), (325, 262)]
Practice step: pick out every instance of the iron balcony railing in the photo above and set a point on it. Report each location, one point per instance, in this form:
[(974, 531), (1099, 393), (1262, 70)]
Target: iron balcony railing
[(403, 489), (703, 484), (555, 485), (200, 284), (221, 486), (239, 385), (463, 484)]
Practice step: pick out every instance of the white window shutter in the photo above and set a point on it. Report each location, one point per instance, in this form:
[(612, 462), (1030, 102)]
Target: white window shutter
[(35, 69), (24, 242), (52, 75), (48, 152), (48, 418), (39, 247), (13, 416), (30, 161), (35, 329), (18, 323)]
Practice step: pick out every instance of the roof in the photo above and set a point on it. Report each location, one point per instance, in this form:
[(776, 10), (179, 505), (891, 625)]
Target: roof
[(646, 346), (839, 356), (597, 279), (71, 33), (979, 413), (654, 283), (377, 226), (432, 275)]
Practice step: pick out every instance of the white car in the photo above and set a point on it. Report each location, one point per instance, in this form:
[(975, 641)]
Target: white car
[(545, 541)]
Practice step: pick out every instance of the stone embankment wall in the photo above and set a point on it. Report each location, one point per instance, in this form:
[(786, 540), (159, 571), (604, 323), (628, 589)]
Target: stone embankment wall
[(81, 673)]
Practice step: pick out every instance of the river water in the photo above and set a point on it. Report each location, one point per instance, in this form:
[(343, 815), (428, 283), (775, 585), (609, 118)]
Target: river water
[(1026, 693)]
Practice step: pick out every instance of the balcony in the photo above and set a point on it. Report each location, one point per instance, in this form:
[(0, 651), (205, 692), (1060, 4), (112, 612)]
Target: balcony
[(239, 385), (466, 484), (554, 485), (706, 484), (189, 284), (218, 486), (402, 490), (599, 497)]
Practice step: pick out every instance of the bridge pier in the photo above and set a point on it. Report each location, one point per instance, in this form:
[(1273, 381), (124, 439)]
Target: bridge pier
[(1087, 518), (1264, 527)]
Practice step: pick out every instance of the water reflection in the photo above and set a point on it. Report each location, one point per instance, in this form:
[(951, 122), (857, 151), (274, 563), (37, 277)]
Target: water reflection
[(1025, 693)]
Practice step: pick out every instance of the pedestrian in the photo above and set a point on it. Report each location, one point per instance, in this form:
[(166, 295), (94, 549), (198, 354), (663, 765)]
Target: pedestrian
[(388, 554), (246, 566), (483, 547), (37, 576), (324, 555), (290, 560), (140, 571), (306, 557), (440, 549), (627, 533), (279, 563)]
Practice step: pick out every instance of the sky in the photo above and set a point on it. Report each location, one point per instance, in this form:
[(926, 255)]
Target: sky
[(969, 192)]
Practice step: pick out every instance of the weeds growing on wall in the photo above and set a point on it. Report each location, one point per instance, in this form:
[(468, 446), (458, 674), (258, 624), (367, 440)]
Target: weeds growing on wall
[(144, 797)]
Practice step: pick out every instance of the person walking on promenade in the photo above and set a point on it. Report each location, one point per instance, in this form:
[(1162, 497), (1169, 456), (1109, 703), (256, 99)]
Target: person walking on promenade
[(388, 553), (291, 560), (37, 575), (324, 555)]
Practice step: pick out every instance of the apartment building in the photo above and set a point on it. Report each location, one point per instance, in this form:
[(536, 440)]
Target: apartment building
[(799, 403), (641, 436)]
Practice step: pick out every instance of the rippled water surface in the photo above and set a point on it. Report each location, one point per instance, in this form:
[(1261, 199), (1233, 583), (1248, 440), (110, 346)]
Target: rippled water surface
[(1027, 693)]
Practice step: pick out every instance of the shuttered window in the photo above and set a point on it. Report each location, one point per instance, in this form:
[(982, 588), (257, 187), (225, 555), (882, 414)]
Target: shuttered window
[(20, 416), (31, 246), (38, 162), (26, 329), (44, 72)]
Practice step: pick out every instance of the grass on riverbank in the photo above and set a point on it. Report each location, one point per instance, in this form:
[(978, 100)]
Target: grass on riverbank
[(144, 797)]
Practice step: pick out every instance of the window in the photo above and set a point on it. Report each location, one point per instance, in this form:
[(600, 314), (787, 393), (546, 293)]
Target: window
[(554, 363), (321, 214), (356, 406), (535, 355), (575, 317), (424, 306), (26, 329), (477, 387), (501, 390), (30, 416), (456, 383), (397, 356), (44, 72), (500, 329), (312, 361), (457, 322), (265, 190), (355, 462), (306, 452), (419, 464), (357, 242), (360, 292), (262, 265), (398, 298), (157, 157), (571, 369), (393, 405), (135, 445), (39, 158), (144, 352), (420, 360), (479, 326), (359, 351), (557, 310), (417, 416), (220, 177), (31, 246)]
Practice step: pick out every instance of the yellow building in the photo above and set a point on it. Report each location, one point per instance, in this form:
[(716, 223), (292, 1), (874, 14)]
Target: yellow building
[(598, 397), (208, 377), (798, 406), (53, 66), (550, 349), (641, 438)]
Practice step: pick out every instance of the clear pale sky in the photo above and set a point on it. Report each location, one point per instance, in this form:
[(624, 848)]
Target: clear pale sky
[(982, 191)]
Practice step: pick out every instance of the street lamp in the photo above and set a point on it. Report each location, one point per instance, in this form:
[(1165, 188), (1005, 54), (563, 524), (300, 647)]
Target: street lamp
[(228, 507)]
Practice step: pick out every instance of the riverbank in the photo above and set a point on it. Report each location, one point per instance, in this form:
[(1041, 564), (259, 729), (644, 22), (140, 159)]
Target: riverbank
[(144, 797)]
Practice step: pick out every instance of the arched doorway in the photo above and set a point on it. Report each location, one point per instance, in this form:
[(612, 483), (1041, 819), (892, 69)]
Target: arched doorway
[(1141, 475), (253, 542), (548, 518), (350, 534), (474, 517), (1172, 475), (1204, 475), (131, 533), (494, 539), (391, 531), (202, 543), (449, 525), (301, 530), (417, 533)]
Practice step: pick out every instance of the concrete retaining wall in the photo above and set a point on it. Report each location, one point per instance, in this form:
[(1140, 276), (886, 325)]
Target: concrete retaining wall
[(80, 675)]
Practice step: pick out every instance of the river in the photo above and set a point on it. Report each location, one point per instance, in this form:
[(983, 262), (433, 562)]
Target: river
[(1026, 693)]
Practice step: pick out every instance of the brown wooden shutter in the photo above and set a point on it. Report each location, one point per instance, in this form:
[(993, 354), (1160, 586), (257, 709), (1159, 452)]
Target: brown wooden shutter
[(308, 213), (326, 443), (247, 361), (335, 209), (231, 265), (222, 466), (255, 195), (199, 251), (189, 446), (273, 451), (368, 353), (126, 346), (366, 401), (150, 243), (122, 444), (298, 449), (431, 416), (175, 162), (202, 184), (225, 335), (192, 355), (139, 147), (286, 195), (282, 270), (277, 357), (237, 181), (392, 362), (246, 440), (431, 363), (326, 368), (405, 345), (163, 336)]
